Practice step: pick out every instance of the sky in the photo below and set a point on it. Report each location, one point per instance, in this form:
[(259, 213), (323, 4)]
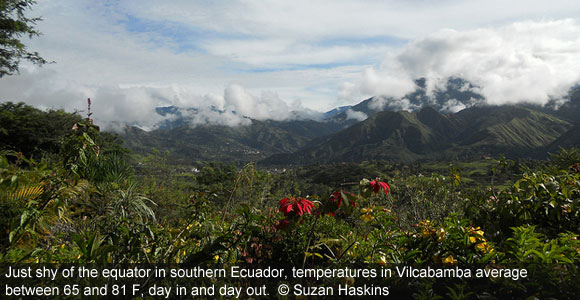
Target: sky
[(280, 60)]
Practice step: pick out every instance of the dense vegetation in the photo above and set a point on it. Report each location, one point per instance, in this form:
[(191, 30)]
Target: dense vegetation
[(72, 194)]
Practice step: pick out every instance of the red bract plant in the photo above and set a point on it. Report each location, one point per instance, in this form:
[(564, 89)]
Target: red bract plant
[(337, 198), (297, 205), (379, 185), (335, 202)]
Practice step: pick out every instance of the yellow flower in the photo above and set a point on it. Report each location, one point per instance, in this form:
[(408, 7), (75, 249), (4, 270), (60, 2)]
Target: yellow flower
[(424, 223), (427, 232), (484, 247), (382, 260), (216, 258), (441, 234), (476, 230), (366, 210), (449, 260), (366, 217), (472, 239), (189, 226)]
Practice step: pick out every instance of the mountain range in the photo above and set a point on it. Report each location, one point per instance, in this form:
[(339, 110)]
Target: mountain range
[(431, 131)]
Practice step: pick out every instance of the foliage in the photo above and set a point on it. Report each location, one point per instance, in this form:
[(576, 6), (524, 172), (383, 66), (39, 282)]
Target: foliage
[(47, 134), (13, 25), (548, 198), (95, 206), (31, 131)]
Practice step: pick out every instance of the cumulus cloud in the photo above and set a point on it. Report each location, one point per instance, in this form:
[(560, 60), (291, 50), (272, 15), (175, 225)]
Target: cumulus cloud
[(529, 62), (382, 102), (453, 106), (114, 107), (355, 115), (271, 59), (111, 105), (392, 81), (237, 106)]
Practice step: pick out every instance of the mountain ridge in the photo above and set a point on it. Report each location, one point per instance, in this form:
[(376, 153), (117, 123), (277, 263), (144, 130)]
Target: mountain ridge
[(453, 123), (428, 134)]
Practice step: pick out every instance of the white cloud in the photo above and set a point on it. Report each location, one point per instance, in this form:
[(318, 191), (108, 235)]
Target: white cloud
[(274, 53), (130, 56), (380, 102), (356, 115), (313, 20), (113, 106), (522, 62), (395, 82), (267, 106), (453, 106)]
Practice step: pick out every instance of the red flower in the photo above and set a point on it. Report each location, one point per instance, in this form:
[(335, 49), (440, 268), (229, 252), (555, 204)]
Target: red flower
[(378, 185), (336, 198), (298, 205)]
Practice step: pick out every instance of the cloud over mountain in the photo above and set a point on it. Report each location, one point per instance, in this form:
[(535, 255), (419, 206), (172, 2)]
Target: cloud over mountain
[(270, 59), (528, 61), (115, 106)]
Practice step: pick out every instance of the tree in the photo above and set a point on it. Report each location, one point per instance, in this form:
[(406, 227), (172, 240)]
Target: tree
[(34, 132), (13, 25)]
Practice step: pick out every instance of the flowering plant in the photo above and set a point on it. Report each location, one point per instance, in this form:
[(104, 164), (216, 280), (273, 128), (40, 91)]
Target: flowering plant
[(380, 185), (342, 196), (292, 208), (297, 205)]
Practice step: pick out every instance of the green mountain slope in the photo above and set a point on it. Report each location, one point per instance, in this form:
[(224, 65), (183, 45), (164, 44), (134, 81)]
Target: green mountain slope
[(428, 134), (509, 126), (569, 110), (515, 131), (571, 138), (214, 142)]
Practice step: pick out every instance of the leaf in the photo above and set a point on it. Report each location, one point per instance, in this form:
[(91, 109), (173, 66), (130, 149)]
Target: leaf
[(537, 254), (27, 193)]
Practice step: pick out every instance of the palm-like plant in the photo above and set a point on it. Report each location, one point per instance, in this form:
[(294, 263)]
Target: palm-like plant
[(34, 199), (129, 203)]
